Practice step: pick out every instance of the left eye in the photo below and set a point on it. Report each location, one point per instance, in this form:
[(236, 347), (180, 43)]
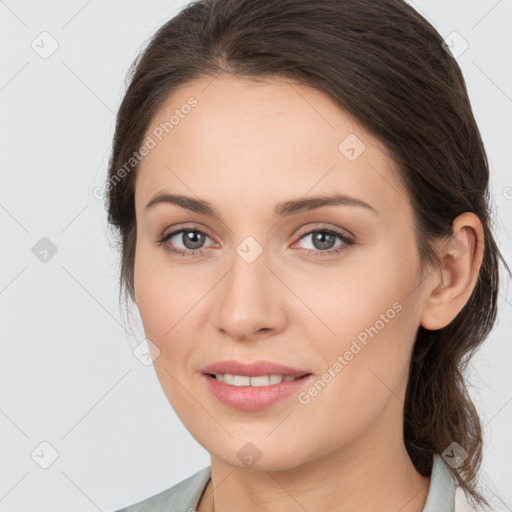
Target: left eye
[(323, 240)]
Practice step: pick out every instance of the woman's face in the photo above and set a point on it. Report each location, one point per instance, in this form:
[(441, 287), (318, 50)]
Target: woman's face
[(269, 279)]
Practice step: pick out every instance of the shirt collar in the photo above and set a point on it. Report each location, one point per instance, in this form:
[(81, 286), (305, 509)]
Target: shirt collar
[(441, 494)]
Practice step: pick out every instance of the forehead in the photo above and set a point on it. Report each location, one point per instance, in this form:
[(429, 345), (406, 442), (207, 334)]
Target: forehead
[(229, 138)]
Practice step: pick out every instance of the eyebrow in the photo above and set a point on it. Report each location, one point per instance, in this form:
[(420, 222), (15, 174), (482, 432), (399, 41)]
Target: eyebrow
[(282, 209)]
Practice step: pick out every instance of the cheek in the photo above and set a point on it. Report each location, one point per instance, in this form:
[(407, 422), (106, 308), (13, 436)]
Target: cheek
[(170, 299), (165, 298), (370, 295), (373, 317)]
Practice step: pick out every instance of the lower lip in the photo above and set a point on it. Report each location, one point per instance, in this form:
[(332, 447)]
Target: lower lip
[(253, 398)]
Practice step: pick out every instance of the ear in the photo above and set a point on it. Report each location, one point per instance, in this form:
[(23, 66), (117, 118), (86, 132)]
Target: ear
[(451, 284)]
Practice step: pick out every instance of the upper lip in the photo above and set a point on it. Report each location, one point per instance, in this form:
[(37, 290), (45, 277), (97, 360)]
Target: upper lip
[(255, 369)]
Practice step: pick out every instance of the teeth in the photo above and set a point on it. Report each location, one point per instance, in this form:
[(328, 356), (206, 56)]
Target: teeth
[(243, 380)]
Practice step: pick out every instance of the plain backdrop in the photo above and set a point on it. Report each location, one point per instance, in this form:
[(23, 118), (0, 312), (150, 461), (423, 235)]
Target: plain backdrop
[(84, 424)]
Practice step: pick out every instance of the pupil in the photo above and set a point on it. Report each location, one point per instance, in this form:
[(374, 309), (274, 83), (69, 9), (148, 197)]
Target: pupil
[(319, 240), (192, 239)]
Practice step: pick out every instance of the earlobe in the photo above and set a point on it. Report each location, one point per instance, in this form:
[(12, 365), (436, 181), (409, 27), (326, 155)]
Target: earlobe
[(453, 282)]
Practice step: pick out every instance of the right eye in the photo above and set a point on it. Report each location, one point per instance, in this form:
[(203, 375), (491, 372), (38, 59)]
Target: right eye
[(191, 240)]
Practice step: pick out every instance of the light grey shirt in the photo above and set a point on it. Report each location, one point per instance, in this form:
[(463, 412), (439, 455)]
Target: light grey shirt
[(443, 494)]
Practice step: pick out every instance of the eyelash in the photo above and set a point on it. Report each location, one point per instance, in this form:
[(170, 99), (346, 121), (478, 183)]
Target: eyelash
[(347, 241)]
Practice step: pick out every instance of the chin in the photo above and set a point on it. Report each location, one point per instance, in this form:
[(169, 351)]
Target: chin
[(259, 456)]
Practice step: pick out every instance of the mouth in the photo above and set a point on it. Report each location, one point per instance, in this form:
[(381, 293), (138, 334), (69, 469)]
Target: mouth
[(254, 380), (227, 368), (254, 393)]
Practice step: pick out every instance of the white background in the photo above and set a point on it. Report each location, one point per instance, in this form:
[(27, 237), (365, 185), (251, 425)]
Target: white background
[(68, 376)]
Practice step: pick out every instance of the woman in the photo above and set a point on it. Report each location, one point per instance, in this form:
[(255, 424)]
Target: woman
[(300, 188)]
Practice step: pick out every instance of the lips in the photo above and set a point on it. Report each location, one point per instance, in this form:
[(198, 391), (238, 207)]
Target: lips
[(254, 369), (254, 398)]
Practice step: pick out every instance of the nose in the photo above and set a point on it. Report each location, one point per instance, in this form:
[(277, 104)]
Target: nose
[(251, 300)]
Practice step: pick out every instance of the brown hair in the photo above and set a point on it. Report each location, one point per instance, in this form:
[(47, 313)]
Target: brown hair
[(385, 65)]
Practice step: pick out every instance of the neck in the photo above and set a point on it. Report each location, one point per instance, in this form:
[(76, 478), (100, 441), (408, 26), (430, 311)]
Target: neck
[(365, 478)]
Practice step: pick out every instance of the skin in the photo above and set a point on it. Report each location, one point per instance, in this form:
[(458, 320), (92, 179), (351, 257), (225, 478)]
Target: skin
[(245, 147)]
